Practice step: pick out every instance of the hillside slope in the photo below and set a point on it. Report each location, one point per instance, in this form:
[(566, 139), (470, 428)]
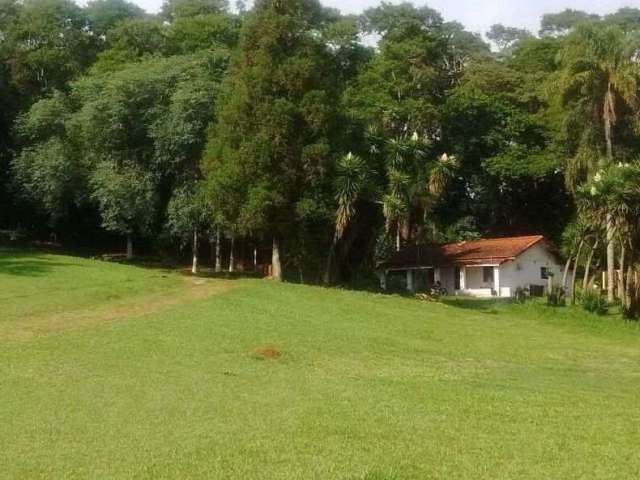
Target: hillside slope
[(113, 371)]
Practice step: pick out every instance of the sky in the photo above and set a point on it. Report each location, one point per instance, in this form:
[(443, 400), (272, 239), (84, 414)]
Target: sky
[(476, 15)]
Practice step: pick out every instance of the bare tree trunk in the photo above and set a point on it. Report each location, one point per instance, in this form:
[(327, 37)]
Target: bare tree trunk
[(129, 247), (212, 251), (587, 268), (255, 258), (232, 260), (566, 270), (194, 263), (398, 236), (621, 282), (218, 267), (611, 261), (628, 292), (609, 118), (573, 275), (328, 271), (276, 266)]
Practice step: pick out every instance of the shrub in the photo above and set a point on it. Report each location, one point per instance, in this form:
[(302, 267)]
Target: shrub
[(595, 303), (556, 297), (520, 295)]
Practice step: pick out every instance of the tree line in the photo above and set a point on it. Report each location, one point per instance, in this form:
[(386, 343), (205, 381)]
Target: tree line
[(327, 140)]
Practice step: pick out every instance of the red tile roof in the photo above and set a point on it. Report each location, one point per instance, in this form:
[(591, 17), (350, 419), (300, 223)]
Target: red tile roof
[(490, 250)]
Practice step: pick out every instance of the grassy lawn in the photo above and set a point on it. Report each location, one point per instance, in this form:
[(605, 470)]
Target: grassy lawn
[(112, 371)]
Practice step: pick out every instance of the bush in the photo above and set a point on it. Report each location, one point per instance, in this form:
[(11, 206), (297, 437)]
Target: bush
[(556, 297), (520, 295), (595, 303)]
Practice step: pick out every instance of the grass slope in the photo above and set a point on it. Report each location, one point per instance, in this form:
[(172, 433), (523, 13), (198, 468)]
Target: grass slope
[(111, 371)]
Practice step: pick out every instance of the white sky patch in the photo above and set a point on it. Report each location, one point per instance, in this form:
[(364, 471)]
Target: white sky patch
[(476, 15)]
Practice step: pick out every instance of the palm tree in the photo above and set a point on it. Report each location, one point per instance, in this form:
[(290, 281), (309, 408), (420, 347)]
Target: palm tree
[(353, 181), (614, 194), (599, 73)]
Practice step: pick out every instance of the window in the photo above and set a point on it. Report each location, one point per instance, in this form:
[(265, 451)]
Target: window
[(544, 273), (487, 274)]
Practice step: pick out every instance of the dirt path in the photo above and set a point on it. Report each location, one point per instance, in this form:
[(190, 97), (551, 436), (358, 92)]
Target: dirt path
[(118, 310)]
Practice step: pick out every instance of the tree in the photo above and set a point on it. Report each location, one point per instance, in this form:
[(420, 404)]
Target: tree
[(556, 24), (506, 38), (627, 18), (48, 44), (599, 82), (273, 123), (611, 200), (48, 171), (353, 182), (175, 9), (188, 217), (126, 198), (103, 15)]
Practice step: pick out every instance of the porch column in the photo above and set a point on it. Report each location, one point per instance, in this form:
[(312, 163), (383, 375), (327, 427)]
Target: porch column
[(410, 284), (496, 280), (436, 274), (463, 277)]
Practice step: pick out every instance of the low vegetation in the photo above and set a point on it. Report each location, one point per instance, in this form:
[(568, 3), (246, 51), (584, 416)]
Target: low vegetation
[(117, 371)]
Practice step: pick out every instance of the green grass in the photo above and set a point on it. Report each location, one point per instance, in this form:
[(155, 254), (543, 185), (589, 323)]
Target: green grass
[(111, 371)]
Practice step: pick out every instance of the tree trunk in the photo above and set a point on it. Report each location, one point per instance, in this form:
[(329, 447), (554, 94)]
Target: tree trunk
[(573, 274), (609, 118), (621, 282), (611, 261), (194, 263), (232, 260), (566, 270), (276, 266), (628, 292), (398, 235), (129, 248), (218, 267), (587, 268), (255, 258), (328, 271)]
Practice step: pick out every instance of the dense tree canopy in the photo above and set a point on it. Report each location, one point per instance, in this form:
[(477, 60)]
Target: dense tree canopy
[(293, 135)]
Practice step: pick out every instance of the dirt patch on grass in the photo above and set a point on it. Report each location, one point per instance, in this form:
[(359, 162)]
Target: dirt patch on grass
[(267, 353), (184, 291)]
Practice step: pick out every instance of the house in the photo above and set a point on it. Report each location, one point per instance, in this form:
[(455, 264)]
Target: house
[(482, 268)]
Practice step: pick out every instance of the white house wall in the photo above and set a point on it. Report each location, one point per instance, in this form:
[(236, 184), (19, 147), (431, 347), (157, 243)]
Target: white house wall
[(525, 270)]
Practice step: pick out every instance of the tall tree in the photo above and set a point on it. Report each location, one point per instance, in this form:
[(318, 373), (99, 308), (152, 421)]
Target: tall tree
[(506, 38), (561, 23), (48, 44), (599, 82), (274, 121)]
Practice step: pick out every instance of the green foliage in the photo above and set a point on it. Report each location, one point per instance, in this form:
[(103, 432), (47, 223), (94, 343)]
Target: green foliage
[(177, 9), (104, 15), (48, 44), (563, 22), (50, 177), (556, 297), (506, 38), (188, 211), (126, 197), (594, 302), (275, 119), (448, 139)]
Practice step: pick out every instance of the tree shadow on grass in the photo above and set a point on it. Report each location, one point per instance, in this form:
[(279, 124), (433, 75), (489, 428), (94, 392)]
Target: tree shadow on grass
[(28, 264), (483, 305)]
